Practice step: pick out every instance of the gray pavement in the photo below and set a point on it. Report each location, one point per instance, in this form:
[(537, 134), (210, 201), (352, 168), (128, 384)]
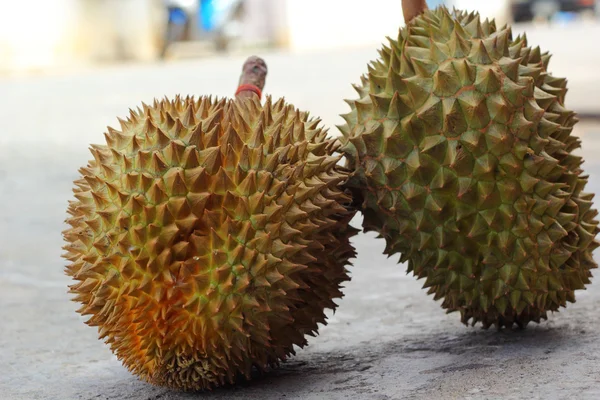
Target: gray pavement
[(388, 339)]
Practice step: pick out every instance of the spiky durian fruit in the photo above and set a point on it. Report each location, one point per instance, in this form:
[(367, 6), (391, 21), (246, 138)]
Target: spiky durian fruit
[(461, 147), (208, 237)]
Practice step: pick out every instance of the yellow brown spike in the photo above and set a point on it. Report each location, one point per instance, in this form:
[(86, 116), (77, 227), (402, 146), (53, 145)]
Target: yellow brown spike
[(189, 250), (461, 147)]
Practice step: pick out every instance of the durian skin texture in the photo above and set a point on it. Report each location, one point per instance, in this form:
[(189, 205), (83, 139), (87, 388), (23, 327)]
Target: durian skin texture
[(461, 149), (208, 237)]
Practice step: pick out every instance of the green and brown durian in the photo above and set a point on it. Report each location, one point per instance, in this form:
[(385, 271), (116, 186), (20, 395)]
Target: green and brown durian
[(208, 237), (462, 152)]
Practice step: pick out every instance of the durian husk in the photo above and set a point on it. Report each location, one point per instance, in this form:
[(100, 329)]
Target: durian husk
[(208, 236), (462, 152)]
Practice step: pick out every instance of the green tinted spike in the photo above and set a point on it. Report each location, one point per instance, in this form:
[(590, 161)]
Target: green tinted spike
[(381, 103), (397, 146), (472, 139), (528, 182), (454, 118), (521, 127), (364, 109), (509, 191), (424, 67), (385, 53), (485, 167), (439, 52), (535, 56), (431, 112), (513, 92), (418, 91), (445, 180), (474, 28), (465, 70), (446, 81), (531, 71), (434, 146), (533, 112), (475, 109), (479, 54), (501, 305), (377, 83), (458, 45), (515, 47), (525, 56), (499, 140), (546, 60), (510, 67), (406, 67), (397, 109), (487, 81), (488, 27), (544, 99), (514, 298), (446, 23), (504, 38), (373, 137), (420, 39)]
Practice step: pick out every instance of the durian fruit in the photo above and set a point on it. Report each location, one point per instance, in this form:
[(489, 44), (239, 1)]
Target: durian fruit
[(208, 237), (461, 148)]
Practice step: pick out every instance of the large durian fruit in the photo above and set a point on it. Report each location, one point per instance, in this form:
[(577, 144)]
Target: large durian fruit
[(209, 236), (461, 148)]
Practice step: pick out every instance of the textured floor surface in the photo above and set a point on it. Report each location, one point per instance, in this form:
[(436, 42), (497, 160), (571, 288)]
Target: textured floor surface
[(388, 339)]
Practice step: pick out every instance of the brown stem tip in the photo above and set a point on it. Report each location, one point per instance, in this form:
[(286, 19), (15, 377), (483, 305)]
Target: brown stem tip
[(413, 8), (252, 80)]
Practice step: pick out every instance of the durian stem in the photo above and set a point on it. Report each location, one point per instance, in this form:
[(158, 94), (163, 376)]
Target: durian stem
[(413, 8), (254, 74)]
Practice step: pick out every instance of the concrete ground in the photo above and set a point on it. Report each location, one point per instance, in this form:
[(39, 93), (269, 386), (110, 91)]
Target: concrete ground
[(388, 339)]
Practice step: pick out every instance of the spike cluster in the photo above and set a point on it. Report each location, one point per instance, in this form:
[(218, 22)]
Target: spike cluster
[(462, 155), (207, 237)]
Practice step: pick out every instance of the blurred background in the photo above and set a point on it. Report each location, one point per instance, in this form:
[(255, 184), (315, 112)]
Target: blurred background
[(40, 34), (69, 68)]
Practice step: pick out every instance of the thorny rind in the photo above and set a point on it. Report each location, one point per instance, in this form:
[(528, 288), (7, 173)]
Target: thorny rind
[(461, 149), (208, 237)]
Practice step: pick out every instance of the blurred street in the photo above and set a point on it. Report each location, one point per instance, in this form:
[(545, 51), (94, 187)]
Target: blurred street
[(388, 339)]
